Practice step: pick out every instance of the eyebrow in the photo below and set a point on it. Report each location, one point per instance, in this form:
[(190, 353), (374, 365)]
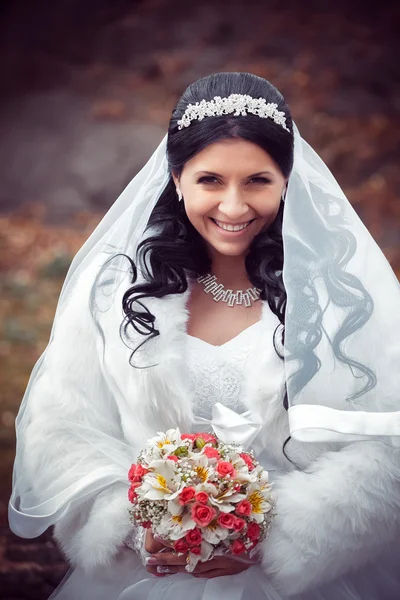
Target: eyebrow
[(219, 175)]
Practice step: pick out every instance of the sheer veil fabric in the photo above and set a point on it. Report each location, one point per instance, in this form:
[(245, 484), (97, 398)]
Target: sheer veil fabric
[(342, 333)]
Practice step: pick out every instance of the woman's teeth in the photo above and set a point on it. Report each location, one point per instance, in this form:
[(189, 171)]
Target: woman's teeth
[(231, 227)]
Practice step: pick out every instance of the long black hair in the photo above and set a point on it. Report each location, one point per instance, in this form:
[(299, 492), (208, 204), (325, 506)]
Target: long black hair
[(177, 252)]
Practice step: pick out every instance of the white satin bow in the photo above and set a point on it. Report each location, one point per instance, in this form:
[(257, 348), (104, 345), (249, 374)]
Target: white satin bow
[(230, 426)]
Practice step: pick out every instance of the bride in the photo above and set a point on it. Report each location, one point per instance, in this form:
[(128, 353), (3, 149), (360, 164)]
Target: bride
[(231, 283)]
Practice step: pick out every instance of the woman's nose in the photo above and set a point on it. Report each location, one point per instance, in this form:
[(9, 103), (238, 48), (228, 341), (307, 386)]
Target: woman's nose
[(233, 206)]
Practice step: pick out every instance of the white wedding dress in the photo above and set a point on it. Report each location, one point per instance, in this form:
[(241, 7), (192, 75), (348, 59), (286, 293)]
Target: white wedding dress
[(216, 374)]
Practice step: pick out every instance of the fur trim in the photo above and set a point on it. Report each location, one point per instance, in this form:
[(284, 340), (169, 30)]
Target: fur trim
[(335, 518), (90, 536)]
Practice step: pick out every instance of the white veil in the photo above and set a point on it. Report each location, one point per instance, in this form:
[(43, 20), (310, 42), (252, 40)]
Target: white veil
[(325, 248), (342, 321)]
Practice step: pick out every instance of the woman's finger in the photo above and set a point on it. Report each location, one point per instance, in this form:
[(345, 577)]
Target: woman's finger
[(167, 558), (211, 574), (164, 570), (208, 565), (151, 545)]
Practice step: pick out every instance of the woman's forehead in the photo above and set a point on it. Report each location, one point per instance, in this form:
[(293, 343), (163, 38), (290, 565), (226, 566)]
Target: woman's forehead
[(231, 156)]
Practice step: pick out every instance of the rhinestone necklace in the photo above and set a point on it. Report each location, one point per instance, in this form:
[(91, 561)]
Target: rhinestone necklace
[(217, 290)]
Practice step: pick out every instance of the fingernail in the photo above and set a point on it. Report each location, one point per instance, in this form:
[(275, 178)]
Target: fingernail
[(152, 561)]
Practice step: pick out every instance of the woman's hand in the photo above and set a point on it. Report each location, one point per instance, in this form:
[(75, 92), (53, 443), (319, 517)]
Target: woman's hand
[(167, 563), (152, 545)]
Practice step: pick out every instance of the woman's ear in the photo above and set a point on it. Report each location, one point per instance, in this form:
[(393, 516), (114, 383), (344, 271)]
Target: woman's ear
[(175, 179)]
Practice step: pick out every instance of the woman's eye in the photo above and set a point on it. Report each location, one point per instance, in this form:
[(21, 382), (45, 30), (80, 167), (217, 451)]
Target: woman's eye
[(208, 179), (260, 180)]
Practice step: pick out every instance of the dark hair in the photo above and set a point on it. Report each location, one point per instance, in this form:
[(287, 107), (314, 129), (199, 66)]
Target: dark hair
[(177, 252)]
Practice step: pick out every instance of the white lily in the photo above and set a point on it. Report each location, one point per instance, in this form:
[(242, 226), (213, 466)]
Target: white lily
[(225, 501), (172, 436), (162, 444), (214, 534), (200, 465), (174, 526), (260, 500), (162, 482), (193, 559)]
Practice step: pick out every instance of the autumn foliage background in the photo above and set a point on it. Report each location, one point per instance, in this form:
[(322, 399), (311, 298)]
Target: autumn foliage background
[(87, 88)]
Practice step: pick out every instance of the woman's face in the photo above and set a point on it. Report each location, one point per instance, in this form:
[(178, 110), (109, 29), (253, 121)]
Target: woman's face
[(232, 190)]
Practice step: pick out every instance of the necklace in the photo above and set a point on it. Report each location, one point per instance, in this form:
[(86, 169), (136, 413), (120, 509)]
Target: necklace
[(217, 290)]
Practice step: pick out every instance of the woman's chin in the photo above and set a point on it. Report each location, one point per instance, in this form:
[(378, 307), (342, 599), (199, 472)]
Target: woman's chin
[(228, 248)]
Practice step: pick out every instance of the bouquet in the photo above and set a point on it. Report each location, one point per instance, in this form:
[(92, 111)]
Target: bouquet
[(200, 495)]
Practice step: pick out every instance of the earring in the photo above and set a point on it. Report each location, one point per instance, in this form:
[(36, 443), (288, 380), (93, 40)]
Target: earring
[(178, 191), (283, 195)]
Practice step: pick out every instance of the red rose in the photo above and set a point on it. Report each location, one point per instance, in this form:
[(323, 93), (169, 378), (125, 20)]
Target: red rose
[(132, 472), (181, 545), (193, 537), (188, 436), (211, 452), (186, 495), (136, 472), (173, 457), (202, 497), (141, 471), (248, 460), (237, 547), (226, 520), (243, 508), (253, 531), (146, 524), (202, 514), (195, 550), (226, 469), (132, 495), (239, 524)]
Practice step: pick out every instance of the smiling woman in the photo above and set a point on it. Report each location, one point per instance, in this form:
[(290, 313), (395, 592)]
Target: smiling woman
[(234, 233), (232, 192)]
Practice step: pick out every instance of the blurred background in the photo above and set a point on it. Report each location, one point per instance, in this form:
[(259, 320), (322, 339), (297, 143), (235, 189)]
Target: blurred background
[(87, 88)]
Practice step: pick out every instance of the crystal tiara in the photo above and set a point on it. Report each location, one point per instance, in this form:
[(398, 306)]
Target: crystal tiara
[(236, 104)]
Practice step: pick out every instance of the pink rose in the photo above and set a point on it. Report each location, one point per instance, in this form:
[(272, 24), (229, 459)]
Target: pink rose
[(237, 547), (193, 537), (188, 436), (239, 524), (186, 495), (226, 520), (203, 515), (181, 545), (248, 460), (202, 497), (225, 469), (211, 452), (173, 457), (253, 531), (243, 508), (195, 550)]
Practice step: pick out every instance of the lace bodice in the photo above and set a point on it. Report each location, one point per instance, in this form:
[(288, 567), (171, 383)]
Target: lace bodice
[(217, 372)]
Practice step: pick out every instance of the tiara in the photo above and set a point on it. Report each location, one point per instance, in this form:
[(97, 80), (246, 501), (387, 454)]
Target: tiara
[(236, 104)]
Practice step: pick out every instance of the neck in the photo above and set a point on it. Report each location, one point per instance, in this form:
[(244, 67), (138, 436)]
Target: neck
[(230, 271)]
